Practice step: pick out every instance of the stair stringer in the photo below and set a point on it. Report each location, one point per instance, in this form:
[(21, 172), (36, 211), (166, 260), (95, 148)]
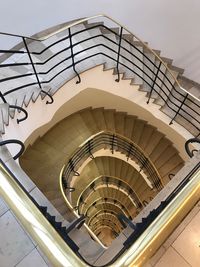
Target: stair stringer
[(98, 88)]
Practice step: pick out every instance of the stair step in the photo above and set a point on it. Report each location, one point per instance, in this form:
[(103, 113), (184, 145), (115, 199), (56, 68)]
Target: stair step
[(138, 130), (119, 122), (98, 114), (109, 115)]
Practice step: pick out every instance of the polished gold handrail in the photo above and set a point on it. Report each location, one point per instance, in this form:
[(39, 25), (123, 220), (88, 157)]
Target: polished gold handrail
[(60, 255), (50, 242), (151, 239), (79, 21)]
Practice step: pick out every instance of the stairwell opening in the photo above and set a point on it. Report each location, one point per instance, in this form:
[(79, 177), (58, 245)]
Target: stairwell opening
[(114, 164)]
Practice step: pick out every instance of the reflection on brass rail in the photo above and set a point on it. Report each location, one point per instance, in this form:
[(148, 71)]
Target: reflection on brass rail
[(59, 254), (49, 241)]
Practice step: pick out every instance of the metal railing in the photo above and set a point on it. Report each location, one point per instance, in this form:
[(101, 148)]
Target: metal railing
[(114, 142), (14, 141), (187, 149), (108, 181), (73, 48), (155, 74), (61, 254)]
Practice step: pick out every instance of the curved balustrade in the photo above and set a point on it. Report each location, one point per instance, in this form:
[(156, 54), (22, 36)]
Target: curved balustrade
[(102, 200), (100, 213), (113, 142), (73, 49), (127, 254), (178, 100), (109, 181)]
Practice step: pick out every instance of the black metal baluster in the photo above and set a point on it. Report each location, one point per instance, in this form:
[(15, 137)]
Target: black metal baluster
[(72, 167), (129, 151), (143, 164), (21, 109), (171, 175), (3, 98), (190, 141), (118, 54), (112, 144), (152, 88), (14, 141), (119, 184), (90, 147), (72, 56), (15, 107), (171, 122), (35, 72), (106, 181), (64, 183)]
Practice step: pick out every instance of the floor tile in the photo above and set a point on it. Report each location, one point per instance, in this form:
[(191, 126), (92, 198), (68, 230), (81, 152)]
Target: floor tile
[(14, 243), (173, 259), (3, 206), (188, 242), (33, 259)]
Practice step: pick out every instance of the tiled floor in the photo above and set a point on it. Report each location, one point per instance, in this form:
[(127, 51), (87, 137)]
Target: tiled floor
[(182, 248), (15, 244), (188, 242), (17, 249), (3, 207), (33, 259)]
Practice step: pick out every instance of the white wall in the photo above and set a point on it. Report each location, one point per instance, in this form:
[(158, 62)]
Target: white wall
[(169, 25)]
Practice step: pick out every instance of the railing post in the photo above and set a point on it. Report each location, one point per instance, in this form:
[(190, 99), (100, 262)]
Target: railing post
[(14, 141), (118, 54), (171, 175), (190, 141), (90, 149), (64, 182), (129, 151), (75, 224), (152, 88), (36, 74), (125, 221), (143, 164), (71, 164), (171, 122), (72, 56), (21, 109), (3, 98), (112, 144)]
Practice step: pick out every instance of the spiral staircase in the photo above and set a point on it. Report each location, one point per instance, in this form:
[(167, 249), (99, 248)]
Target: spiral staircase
[(102, 121)]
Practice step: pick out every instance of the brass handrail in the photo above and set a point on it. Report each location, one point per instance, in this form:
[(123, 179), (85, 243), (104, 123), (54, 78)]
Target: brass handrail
[(151, 239), (60, 255), (47, 238), (47, 36)]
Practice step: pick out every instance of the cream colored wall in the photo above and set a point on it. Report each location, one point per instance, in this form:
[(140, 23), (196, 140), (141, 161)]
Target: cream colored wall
[(97, 89)]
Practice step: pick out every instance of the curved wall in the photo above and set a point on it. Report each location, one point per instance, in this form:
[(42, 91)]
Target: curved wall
[(97, 89)]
